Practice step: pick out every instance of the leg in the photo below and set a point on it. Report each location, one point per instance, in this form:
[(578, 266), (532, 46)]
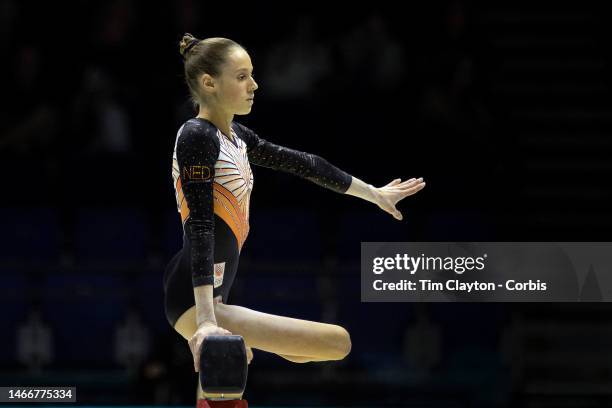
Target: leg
[(299, 359), (294, 339)]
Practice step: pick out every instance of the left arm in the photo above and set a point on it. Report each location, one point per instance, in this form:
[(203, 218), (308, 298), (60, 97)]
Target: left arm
[(323, 173), (305, 165)]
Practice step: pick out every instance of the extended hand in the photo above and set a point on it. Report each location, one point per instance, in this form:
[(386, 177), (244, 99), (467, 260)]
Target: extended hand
[(388, 196)]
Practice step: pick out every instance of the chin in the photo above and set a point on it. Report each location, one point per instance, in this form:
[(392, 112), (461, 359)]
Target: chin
[(244, 112)]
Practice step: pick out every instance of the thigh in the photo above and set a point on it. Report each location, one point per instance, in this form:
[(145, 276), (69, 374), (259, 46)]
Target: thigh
[(276, 334)]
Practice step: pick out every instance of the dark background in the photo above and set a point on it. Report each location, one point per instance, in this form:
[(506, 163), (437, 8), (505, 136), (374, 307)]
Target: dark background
[(503, 109)]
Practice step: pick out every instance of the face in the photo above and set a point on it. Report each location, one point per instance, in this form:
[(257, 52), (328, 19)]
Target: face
[(236, 86)]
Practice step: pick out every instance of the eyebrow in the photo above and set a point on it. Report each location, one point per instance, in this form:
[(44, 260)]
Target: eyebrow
[(242, 69)]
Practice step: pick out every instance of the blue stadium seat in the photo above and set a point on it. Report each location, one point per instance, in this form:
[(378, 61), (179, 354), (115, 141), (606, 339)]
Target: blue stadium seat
[(355, 227), (458, 226), (284, 235), (30, 235), (291, 295), (14, 302), (83, 310), (147, 292), (111, 235), (374, 327), (466, 322), (172, 234)]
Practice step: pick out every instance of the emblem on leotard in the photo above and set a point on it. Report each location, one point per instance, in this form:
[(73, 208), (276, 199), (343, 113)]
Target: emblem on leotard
[(196, 173), (219, 271)]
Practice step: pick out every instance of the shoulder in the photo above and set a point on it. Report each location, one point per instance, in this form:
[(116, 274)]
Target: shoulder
[(246, 134), (197, 133)]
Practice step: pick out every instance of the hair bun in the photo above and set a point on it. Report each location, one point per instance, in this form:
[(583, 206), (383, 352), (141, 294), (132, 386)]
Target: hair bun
[(187, 43)]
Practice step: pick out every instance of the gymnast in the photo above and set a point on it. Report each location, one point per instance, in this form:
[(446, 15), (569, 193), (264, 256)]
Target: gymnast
[(213, 181)]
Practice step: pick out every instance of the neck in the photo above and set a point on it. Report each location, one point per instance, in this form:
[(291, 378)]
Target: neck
[(221, 120)]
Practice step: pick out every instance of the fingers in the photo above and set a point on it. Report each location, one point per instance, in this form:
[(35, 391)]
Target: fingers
[(249, 354), (195, 342), (404, 185), (194, 347), (412, 190), (409, 188), (389, 208), (410, 183), (394, 182), (196, 358), (397, 184), (399, 191)]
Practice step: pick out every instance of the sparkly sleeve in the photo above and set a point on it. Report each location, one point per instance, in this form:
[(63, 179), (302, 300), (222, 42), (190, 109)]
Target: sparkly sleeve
[(306, 165), (197, 151)]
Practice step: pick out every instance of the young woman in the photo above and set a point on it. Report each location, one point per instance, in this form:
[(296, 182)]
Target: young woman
[(213, 182)]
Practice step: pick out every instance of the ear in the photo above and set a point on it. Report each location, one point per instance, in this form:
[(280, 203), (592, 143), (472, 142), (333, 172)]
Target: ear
[(207, 83)]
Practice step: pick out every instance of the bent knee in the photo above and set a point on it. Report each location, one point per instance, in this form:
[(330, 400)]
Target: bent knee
[(342, 343)]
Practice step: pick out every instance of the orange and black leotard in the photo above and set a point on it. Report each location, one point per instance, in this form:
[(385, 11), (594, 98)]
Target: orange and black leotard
[(213, 182)]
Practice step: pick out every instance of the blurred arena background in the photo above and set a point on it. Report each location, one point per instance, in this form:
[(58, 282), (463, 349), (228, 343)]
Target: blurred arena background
[(503, 109)]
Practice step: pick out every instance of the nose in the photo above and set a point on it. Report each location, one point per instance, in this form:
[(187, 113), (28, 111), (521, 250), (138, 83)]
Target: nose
[(254, 85)]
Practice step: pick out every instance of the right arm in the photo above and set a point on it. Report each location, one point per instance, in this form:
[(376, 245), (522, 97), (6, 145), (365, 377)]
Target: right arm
[(196, 153)]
